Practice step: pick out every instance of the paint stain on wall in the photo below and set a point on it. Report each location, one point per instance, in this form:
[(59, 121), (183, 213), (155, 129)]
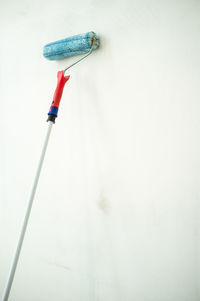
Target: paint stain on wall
[(103, 204)]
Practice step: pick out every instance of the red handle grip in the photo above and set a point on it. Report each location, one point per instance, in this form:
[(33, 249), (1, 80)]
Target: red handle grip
[(59, 89), (57, 95)]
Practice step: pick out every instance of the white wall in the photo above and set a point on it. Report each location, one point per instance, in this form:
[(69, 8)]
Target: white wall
[(116, 215)]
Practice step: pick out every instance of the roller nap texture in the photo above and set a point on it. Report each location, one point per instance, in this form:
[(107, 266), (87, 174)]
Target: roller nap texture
[(74, 45)]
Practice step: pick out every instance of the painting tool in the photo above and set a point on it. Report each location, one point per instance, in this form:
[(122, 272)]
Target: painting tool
[(79, 44)]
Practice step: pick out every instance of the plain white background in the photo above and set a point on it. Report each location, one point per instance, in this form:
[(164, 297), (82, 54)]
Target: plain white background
[(116, 214)]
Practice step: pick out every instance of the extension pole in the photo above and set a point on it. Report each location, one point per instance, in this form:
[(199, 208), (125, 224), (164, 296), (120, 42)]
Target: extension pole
[(52, 115), (26, 217)]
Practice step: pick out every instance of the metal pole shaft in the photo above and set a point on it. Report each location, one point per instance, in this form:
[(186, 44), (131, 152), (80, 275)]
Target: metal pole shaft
[(26, 218)]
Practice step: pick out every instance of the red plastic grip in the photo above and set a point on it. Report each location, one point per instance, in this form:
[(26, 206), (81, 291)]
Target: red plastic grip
[(59, 89), (53, 112)]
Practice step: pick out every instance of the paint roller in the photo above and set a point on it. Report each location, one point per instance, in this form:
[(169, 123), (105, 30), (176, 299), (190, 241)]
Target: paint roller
[(76, 45), (80, 44)]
